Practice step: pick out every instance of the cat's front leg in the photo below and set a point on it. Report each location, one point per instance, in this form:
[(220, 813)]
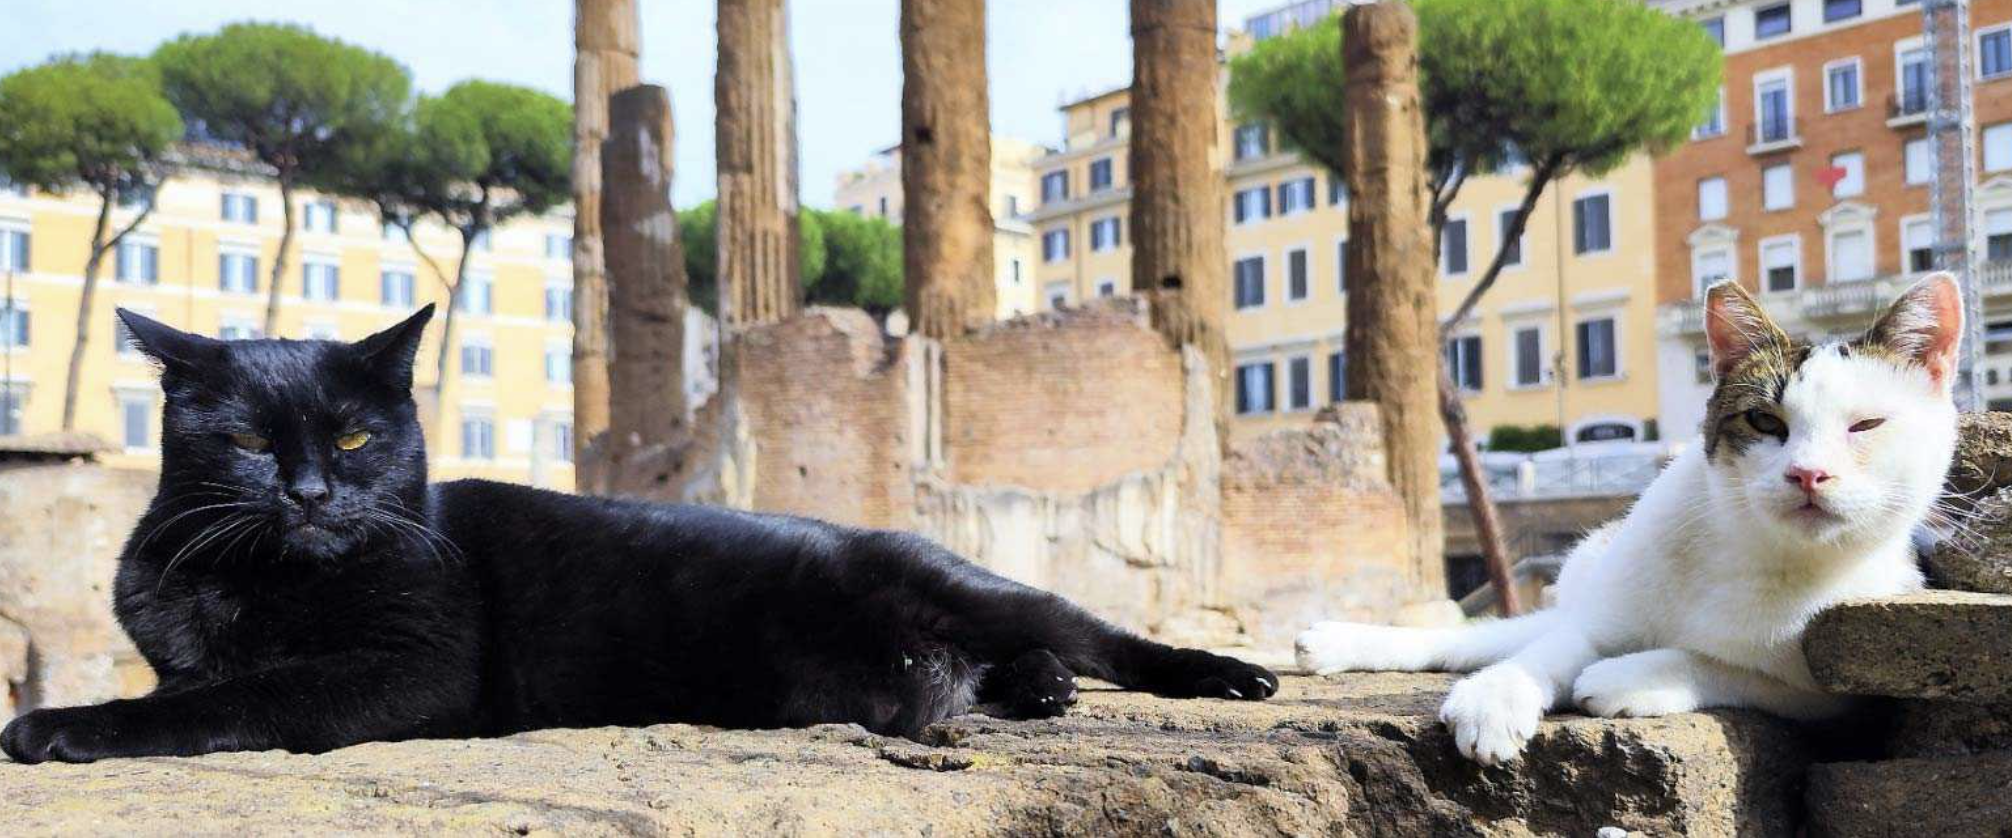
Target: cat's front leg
[(125, 728), (1660, 682)]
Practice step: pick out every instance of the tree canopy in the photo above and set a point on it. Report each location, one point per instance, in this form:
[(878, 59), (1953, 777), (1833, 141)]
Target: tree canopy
[(1584, 83), (284, 93), (95, 120), (488, 152), (846, 260)]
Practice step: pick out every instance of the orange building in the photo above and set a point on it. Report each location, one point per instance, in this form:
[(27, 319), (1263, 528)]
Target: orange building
[(1810, 184)]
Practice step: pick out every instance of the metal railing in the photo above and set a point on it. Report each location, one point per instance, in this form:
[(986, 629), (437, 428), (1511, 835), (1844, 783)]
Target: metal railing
[(1907, 103), (1780, 129), (1582, 471)]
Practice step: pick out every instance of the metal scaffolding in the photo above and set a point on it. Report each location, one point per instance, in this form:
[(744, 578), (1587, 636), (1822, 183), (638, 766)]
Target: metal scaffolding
[(1952, 147)]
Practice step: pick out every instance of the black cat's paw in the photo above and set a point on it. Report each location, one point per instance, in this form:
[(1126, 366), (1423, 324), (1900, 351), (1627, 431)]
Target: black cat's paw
[(1034, 686), (63, 734), (1200, 674)]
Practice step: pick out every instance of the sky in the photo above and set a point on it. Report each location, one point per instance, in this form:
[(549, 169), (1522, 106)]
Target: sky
[(848, 58)]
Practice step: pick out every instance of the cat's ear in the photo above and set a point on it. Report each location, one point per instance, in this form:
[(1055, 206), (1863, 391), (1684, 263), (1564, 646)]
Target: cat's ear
[(178, 351), (1924, 326), (389, 353), (1736, 327)]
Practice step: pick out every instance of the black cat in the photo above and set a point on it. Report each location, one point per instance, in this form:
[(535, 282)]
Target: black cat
[(296, 584)]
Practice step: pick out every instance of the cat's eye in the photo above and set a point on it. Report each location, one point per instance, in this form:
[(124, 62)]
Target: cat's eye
[(1767, 423), (352, 441), (251, 442), (1866, 424)]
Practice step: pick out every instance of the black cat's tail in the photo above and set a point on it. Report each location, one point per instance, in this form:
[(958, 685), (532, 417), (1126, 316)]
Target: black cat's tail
[(997, 621)]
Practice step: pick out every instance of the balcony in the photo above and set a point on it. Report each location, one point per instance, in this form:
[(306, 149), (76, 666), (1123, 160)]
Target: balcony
[(1909, 107), (1772, 134), (1857, 300)]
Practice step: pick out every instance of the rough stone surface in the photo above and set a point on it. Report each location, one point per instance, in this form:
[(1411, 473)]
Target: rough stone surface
[(1978, 556), (1313, 530), (60, 535), (1954, 796), (1949, 728), (1935, 644), (1360, 755), (1983, 462)]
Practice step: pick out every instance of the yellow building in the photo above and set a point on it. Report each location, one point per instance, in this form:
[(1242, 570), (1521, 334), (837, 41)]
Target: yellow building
[(1565, 338), (874, 190), (201, 262)]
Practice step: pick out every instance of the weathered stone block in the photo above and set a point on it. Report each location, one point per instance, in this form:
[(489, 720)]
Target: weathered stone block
[(1935, 644), (1979, 556), (1950, 728), (1360, 755), (1983, 461), (1954, 796)]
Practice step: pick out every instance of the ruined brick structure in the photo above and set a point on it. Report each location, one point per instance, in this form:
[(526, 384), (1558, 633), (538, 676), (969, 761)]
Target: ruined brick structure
[(1072, 450)]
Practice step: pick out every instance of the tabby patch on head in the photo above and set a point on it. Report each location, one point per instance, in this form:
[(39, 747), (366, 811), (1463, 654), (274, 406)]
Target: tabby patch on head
[(1826, 434)]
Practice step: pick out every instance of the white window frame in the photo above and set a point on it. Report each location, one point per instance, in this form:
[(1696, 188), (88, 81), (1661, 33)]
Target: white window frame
[(27, 229), (1906, 221), (1856, 178), (149, 399), (1237, 366), (556, 283), (1724, 196), (1340, 252), (1522, 241), (1717, 126), (1117, 235), (1767, 204), (1285, 387), (2003, 130), (1454, 374), (561, 350), (246, 323), (1466, 242), (1063, 236), (137, 239), (23, 305), (1613, 221), (477, 279), (1514, 328), (475, 341), (1264, 280), (1049, 296), (1760, 254), (1900, 50), (1732, 254), (1830, 234), (240, 251), (320, 260), (1620, 358), (1285, 273), (1764, 78), (1858, 84), (474, 412), (241, 198), (1978, 49), (1927, 158)]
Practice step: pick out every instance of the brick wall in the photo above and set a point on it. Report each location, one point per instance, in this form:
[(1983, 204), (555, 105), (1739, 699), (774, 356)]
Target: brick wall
[(1312, 529), (1061, 401), (1863, 129), (828, 404)]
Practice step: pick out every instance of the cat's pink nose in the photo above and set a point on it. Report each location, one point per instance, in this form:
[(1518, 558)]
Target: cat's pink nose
[(1807, 478)]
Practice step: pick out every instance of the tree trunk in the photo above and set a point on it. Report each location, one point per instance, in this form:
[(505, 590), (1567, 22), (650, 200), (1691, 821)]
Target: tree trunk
[(1179, 265), (100, 245), (443, 361), (946, 168), (605, 43), (646, 273), (1487, 525), (278, 278), (1392, 336), (752, 91), (84, 305)]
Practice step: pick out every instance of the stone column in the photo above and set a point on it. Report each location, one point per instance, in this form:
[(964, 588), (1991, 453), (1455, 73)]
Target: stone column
[(946, 167), (1178, 262), (756, 148), (646, 273), (1392, 336), (605, 47)]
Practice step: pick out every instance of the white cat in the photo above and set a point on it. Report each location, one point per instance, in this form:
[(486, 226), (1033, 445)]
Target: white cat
[(1816, 464)]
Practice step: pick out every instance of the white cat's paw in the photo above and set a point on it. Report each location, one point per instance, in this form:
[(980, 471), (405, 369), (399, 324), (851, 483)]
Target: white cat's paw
[(1639, 685), (1493, 713), (1330, 647)]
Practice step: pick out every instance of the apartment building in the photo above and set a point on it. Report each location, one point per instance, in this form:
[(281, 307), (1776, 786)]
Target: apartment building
[(201, 261), (1565, 338), (1809, 184), (874, 190)]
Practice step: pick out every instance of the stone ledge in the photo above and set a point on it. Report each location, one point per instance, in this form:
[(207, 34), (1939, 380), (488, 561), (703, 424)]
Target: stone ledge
[(1934, 644), (1360, 754), (1955, 796)]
